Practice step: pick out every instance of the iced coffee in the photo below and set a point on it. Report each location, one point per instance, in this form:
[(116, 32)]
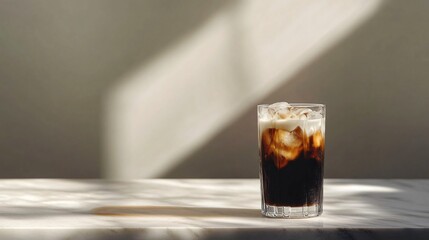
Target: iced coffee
[(291, 150)]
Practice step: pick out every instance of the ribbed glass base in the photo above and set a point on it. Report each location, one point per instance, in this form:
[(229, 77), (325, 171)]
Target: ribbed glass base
[(291, 212)]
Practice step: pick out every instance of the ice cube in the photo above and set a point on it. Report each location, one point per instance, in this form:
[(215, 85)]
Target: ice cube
[(317, 139), (264, 113), (314, 115), (281, 145), (290, 139), (288, 146), (282, 114), (301, 111), (279, 110), (267, 141), (279, 105)]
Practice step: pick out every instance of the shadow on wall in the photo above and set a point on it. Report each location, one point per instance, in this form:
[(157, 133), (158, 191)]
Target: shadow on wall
[(374, 84), (58, 59)]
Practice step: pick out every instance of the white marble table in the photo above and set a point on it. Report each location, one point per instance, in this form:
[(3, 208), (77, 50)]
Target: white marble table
[(205, 209)]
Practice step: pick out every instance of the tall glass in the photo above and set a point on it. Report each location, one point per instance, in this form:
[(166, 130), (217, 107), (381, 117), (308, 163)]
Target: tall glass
[(291, 150)]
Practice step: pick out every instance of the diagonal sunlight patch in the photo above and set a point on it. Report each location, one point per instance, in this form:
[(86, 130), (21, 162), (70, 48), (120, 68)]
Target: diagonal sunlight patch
[(158, 114)]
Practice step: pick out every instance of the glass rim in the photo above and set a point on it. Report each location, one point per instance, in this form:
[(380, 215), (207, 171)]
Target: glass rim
[(301, 105)]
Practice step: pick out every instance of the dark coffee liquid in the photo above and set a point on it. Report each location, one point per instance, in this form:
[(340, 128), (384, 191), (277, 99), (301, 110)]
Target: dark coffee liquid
[(292, 176)]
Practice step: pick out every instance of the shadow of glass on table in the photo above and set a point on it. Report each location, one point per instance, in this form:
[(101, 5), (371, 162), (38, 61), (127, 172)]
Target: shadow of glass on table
[(139, 211)]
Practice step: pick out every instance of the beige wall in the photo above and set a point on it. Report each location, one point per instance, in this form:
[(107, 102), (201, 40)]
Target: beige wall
[(80, 82)]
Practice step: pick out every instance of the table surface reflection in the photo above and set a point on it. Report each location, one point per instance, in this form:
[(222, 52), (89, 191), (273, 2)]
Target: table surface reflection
[(204, 209)]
